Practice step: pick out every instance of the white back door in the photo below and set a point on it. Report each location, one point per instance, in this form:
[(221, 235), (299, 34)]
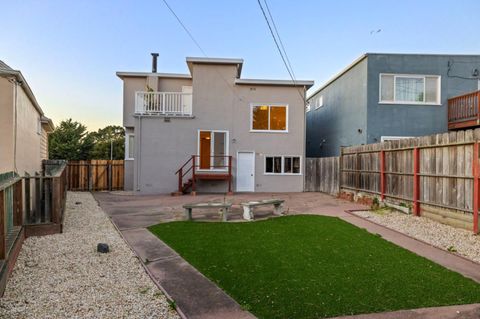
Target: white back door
[(245, 172)]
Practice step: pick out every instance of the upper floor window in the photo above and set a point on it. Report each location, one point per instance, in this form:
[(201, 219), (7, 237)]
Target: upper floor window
[(410, 89), (269, 118), (319, 102)]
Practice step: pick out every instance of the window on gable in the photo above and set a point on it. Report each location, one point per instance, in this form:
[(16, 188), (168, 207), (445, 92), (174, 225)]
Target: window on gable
[(410, 89), (269, 118), (319, 102)]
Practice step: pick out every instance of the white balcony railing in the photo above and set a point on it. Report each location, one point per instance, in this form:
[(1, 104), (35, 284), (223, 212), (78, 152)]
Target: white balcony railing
[(163, 103)]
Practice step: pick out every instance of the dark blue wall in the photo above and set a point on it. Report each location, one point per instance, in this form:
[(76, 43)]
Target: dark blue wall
[(343, 114), (351, 102), (416, 120)]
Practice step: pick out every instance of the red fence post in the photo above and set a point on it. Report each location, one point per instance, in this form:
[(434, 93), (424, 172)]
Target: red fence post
[(382, 175), (416, 181), (476, 192)]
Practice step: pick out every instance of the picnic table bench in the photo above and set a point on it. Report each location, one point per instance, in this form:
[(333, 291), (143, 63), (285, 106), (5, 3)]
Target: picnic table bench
[(248, 207), (224, 207)]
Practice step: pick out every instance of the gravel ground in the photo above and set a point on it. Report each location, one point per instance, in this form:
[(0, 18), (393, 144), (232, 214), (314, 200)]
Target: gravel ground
[(462, 242), (62, 276)]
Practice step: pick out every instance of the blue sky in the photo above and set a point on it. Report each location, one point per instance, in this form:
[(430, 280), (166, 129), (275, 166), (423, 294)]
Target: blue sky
[(69, 51)]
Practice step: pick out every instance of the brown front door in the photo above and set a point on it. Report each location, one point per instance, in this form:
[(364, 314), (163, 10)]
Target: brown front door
[(205, 151)]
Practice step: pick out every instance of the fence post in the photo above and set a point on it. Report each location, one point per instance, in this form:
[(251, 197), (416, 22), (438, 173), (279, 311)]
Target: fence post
[(27, 201), (357, 168), (56, 200), (416, 182), (3, 239), (382, 175), (90, 174), (476, 185), (18, 204), (109, 172), (340, 167)]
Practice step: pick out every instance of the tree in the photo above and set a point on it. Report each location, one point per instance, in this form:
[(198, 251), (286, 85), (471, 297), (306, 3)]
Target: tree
[(104, 139), (70, 141)]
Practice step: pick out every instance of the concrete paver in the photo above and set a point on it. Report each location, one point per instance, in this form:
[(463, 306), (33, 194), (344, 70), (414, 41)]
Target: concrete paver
[(198, 297)]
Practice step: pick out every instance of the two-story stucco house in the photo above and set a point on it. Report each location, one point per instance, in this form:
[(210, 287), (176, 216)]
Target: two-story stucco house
[(388, 96), (23, 126), (212, 131)]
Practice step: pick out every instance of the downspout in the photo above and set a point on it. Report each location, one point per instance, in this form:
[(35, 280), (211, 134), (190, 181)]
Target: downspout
[(304, 136), (15, 103), (138, 157)]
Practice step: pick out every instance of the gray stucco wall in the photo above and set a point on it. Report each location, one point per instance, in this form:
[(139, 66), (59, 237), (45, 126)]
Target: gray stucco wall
[(343, 114), (415, 120), (218, 104)]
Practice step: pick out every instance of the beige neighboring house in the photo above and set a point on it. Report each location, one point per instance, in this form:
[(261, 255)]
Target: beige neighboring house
[(23, 126), (225, 133)]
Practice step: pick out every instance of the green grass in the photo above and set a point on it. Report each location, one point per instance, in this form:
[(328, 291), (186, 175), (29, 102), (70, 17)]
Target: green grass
[(313, 267)]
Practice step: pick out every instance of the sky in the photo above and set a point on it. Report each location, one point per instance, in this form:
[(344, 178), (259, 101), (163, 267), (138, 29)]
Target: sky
[(70, 50)]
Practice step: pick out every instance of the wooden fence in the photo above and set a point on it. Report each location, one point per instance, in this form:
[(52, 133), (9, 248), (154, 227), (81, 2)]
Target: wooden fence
[(95, 175), (44, 202), (437, 176), (437, 172), (322, 175), (10, 213), (29, 206)]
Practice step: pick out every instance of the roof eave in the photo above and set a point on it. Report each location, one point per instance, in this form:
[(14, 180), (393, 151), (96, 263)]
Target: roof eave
[(338, 75), (269, 82), (48, 123), (24, 84), (125, 74)]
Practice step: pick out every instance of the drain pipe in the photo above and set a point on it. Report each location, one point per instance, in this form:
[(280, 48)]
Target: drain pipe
[(138, 156)]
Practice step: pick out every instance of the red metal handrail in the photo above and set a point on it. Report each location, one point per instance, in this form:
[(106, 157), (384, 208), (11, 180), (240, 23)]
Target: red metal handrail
[(193, 167)]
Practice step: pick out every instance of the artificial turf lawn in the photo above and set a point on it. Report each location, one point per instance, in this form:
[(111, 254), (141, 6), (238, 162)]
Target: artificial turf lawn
[(313, 266)]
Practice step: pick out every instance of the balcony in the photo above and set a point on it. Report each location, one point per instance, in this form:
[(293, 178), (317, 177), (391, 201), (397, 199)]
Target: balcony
[(174, 104), (463, 111)]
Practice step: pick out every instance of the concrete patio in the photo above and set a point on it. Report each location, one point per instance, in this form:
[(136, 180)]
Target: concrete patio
[(198, 297)]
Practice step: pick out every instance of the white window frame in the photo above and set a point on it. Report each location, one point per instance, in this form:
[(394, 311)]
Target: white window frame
[(319, 102), (309, 108), (127, 146), (417, 76), (212, 141), (282, 165), (252, 105)]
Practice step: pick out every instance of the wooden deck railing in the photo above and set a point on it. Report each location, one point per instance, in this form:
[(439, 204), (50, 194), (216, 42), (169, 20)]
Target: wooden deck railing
[(463, 111), (45, 197), (11, 213)]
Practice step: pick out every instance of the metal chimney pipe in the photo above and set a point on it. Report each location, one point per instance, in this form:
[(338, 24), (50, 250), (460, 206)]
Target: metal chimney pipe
[(154, 62)]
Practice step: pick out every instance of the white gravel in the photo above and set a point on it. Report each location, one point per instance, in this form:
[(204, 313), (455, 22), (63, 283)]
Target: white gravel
[(63, 276), (459, 241)]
